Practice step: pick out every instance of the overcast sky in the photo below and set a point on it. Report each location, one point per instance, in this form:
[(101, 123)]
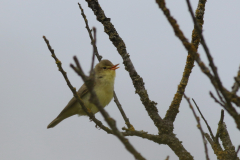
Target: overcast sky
[(33, 92)]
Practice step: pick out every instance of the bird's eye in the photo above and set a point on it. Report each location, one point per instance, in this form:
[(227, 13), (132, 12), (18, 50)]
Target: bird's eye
[(104, 67)]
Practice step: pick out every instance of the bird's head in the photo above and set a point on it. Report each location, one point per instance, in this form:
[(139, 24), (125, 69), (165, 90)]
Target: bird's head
[(105, 69)]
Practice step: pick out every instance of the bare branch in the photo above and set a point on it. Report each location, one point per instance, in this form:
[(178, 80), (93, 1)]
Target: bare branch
[(217, 101), (167, 158), (222, 117), (229, 152), (127, 122), (229, 149), (209, 128), (225, 138), (190, 48), (90, 33), (218, 131), (168, 139), (231, 110), (237, 151), (210, 59), (236, 85), (173, 108), (199, 126), (209, 139), (94, 49)]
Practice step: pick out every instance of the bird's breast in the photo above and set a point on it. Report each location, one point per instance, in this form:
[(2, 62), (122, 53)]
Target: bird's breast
[(104, 93)]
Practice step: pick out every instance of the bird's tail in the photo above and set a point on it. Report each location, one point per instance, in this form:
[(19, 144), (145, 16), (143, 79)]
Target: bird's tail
[(54, 122), (68, 111)]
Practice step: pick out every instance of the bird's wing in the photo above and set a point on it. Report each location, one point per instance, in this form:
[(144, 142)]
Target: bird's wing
[(81, 92), (70, 109)]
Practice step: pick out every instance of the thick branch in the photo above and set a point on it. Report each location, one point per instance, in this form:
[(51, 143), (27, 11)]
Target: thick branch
[(169, 139), (173, 108)]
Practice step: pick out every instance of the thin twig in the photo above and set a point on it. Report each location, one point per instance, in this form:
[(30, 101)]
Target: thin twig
[(209, 128), (127, 122), (219, 95), (94, 48), (59, 64), (199, 126), (237, 151), (236, 85), (219, 124), (234, 98), (110, 121), (89, 32), (210, 140), (167, 158), (217, 101)]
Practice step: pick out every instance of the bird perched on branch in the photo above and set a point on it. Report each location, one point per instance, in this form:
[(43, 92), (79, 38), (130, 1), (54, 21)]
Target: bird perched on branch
[(104, 85)]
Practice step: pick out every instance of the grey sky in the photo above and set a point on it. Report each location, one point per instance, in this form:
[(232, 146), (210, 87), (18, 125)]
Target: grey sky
[(33, 92)]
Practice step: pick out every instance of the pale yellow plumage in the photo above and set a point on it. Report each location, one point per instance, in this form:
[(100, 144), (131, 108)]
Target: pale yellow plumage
[(104, 85)]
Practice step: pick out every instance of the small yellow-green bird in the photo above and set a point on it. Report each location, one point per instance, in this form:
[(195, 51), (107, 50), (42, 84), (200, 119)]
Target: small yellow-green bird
[(104, 85)]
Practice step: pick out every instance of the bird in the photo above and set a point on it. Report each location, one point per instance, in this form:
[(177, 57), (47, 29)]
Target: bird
[(103, 86)]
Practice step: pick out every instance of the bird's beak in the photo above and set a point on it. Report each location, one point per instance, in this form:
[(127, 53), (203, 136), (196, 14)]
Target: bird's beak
[(114, 67)]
